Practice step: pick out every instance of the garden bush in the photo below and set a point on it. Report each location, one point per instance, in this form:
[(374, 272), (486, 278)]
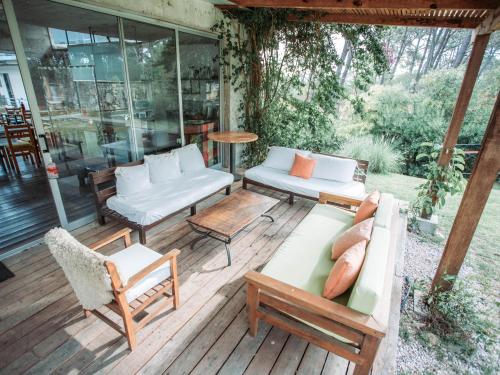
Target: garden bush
[(383, 156)]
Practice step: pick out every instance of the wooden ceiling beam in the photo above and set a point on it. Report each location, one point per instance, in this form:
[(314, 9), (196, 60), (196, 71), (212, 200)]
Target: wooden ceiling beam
[(490, 24), (369, 4), (374, 19)]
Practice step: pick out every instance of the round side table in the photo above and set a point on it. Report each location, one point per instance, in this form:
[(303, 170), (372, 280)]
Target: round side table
[(233, 137)]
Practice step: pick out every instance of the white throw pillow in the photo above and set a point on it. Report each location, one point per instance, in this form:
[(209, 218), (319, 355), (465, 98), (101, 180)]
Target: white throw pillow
[(282, 157), (190, 158), (332, 168), (130, 180), (163, 167)]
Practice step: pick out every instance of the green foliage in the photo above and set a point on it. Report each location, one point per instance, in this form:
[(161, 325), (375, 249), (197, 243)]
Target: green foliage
[(285, 72), (456, 317), (411, 117), (381, 154), (441, 180)]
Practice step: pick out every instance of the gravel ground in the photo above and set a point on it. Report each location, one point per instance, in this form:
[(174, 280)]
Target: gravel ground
[(428, 356)]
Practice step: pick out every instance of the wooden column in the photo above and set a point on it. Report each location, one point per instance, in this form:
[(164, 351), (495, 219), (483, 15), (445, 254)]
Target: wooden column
[(476, 194), (471, 73)]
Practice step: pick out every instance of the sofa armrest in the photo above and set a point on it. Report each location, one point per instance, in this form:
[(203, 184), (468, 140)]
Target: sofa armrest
[(124, 232), (338, 199), (316, 304)]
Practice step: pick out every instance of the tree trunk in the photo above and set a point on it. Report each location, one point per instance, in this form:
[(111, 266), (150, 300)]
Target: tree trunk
[(342, 58), (419, 71), (462, 49), (400, 53), (347, 64), (415, 55), (432, 45), (442, 46)]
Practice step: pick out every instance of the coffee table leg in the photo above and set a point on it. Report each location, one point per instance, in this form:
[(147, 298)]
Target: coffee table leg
[(228, 252), (268, 216)]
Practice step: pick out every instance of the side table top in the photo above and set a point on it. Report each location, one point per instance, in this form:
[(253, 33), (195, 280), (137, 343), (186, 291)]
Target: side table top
[(233, 137)]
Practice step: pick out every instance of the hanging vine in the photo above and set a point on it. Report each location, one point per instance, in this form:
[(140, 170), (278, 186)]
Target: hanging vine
[(286, 73)]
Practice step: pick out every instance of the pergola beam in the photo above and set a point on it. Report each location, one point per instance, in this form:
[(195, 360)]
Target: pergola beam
[(375, 19), (369, 4), (490, 23), (481, 181), (470, 77)]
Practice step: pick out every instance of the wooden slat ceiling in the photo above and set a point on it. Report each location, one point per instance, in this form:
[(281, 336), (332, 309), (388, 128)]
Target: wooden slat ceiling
[(433, 13)]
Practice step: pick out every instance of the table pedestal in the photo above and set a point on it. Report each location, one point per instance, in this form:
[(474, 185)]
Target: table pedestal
[(232, 162)]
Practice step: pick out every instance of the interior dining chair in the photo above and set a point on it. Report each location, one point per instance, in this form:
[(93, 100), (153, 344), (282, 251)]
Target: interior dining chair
[(126, 282), (21, 142)]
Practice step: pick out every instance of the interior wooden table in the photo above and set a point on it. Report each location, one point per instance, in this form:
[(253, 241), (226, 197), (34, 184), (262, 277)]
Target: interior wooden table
[(225, 219), (233, 138)]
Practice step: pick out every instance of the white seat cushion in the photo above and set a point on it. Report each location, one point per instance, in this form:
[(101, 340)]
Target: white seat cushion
[(282, 157), (332, 168), (132, 180), (166, 198), (310, 187), (163, 167), (190, 158), (132, 260)]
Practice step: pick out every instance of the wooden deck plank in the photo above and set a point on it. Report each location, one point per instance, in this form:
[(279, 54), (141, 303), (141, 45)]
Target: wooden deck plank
[(45, 330)]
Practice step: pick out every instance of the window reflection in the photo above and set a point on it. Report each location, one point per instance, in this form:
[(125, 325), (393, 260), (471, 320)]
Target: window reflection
[(200, 92)]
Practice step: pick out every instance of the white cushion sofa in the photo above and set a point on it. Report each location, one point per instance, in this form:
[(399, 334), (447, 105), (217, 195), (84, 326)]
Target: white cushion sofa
[(142, 194), (332, 174)]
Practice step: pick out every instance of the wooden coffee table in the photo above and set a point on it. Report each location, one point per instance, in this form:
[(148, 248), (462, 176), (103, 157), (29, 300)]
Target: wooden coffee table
[(225, 219)]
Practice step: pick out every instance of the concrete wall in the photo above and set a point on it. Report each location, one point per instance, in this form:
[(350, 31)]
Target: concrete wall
[(194, 14)]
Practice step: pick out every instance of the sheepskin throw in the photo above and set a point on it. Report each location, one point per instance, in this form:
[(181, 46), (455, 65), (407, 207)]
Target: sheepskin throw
[(83, 268)]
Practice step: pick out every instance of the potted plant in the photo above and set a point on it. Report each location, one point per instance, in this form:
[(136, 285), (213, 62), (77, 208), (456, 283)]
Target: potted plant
[(441, 181)]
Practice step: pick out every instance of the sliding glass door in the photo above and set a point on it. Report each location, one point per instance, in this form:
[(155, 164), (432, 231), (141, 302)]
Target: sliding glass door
[(152, 72), (110, 90)]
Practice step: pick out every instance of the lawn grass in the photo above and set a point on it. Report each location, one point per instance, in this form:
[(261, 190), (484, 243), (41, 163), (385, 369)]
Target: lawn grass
[(484, 250)]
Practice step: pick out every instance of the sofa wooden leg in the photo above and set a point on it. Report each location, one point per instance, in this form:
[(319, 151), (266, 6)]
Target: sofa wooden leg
[(244, 185), (228, 190), (368, 351), (193, 210), (87, 313), (142, 236), (101, 220), (252, 303), (290, 199)]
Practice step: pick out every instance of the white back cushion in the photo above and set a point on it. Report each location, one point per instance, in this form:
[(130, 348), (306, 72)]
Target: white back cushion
[(332, 168), (130, 180), (163, 167), (282, 157), (190, 158)]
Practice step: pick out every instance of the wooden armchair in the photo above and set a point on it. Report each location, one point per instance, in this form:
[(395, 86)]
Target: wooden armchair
[(134, 278)]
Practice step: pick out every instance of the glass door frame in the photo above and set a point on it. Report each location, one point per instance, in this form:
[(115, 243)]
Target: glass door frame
[(32, 100)]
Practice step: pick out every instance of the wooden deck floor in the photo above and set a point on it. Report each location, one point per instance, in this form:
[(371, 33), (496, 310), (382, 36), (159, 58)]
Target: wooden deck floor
[(43, 330)]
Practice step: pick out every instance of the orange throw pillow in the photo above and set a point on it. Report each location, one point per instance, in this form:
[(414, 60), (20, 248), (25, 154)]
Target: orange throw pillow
[(302, 167), (345, 271), (367, 207), (355, 234)]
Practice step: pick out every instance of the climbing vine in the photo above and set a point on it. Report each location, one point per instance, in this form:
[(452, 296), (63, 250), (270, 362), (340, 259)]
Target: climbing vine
[(285, 69)]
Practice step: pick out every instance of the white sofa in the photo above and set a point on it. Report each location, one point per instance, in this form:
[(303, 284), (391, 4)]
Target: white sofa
[(332, 174), (147, 192)]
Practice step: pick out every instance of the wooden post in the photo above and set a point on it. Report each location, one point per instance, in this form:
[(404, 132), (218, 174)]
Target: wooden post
[(476, 195), (471, 73)]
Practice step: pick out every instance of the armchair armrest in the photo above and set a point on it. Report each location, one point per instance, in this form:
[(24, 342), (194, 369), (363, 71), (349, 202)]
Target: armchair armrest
[(124, 232), (339, 199), (316, 304), (171, 255)]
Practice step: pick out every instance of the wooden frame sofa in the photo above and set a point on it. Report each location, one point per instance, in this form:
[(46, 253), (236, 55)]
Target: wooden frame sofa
[(360, 173), (287, 293), (103, 185)]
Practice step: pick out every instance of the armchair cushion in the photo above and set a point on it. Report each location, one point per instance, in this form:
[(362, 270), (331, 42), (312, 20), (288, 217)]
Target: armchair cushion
[(132, 260), (190, 158), (131, 180)]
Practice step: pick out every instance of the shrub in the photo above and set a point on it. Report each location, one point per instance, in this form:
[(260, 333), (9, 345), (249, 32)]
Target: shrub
[(381, 154)]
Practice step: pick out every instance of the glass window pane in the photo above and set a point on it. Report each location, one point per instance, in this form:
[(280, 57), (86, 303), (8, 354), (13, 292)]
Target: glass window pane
[(77, 71), (152, 68), (200, 92)]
